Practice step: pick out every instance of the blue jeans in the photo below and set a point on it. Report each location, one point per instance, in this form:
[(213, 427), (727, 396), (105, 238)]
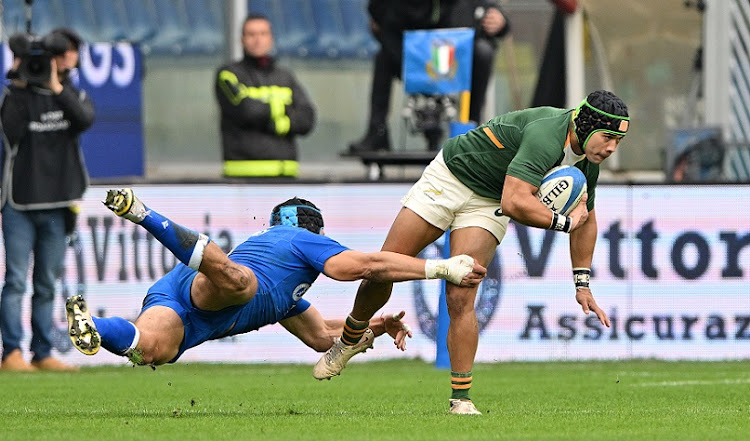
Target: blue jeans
[(43, 232)]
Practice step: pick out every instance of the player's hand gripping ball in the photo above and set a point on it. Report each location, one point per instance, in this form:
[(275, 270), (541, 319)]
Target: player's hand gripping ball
[(562, 189)]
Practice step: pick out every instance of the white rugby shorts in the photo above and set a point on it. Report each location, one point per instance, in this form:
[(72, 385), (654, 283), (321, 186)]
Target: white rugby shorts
[(442, 200)]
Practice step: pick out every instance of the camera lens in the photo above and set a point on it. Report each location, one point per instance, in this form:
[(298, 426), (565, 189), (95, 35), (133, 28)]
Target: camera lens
[(36, 66)]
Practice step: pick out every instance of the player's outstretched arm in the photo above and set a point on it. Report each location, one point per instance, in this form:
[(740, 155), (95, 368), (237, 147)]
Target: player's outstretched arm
[(319, 333), (386, 266)]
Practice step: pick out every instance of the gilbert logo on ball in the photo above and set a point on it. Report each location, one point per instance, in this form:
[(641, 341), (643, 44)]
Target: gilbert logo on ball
[(562, 188)]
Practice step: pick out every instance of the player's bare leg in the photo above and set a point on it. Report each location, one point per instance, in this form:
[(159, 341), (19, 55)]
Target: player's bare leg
[(158, 332), (221, 283), (161, 333), (409, 235), (463, 331)]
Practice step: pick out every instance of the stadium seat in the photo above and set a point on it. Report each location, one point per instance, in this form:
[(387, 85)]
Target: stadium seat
[(330, 37), (298, 33), (79, 16), (302, 28), (357, 28), (267, 8), (140, 21), (206, 20), (46, 16), (171, 28), (110, 18), (319, 28), (14, 16)]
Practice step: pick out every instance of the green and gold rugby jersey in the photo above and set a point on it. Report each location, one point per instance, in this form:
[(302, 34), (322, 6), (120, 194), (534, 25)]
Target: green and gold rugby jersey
[(525, 144)]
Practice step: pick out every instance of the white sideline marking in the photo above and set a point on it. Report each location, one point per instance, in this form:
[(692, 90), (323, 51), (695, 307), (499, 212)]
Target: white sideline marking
[(694, 383)]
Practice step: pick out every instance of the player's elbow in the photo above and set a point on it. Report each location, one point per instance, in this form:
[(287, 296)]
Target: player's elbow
[(510, 207)]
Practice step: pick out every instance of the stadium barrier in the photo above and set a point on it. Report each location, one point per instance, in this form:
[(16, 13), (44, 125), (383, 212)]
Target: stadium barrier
[(671, 268)]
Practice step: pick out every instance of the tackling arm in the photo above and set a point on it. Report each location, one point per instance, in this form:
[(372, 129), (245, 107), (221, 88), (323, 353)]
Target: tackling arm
[(386, 266)]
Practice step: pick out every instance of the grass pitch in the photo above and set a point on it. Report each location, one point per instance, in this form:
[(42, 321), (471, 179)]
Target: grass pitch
[(395, 400)]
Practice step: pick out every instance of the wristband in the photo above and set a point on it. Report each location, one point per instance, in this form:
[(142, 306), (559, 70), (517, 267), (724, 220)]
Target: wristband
[(560, 223), (581, 277)]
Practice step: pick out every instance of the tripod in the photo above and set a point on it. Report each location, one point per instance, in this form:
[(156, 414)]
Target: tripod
[(691, 117)]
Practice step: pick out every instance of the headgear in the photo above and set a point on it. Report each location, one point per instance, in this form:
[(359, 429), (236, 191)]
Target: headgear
[(601, 111), (298, 212)]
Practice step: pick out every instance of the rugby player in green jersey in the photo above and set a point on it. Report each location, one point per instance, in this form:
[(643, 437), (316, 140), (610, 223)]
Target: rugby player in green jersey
[(476, 184)]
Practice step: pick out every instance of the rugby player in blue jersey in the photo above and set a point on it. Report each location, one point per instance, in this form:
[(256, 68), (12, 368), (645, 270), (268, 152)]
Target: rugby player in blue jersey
[(210, 295)]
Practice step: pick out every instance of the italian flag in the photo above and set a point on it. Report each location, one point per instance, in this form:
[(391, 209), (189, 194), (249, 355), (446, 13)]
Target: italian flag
[(443, 58)]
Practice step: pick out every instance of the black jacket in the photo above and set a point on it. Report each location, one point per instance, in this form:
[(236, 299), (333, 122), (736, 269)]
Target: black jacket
[(43, 164), (263, 109)]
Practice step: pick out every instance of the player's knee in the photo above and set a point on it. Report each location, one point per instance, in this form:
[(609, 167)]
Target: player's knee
[(155, 352), (460, 300)]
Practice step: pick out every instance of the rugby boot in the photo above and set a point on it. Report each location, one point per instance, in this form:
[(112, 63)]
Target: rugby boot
[(463, 407), (124, 203), (334, 360), (81, 327)]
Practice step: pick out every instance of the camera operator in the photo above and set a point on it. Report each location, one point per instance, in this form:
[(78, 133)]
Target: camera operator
[(43, 116)]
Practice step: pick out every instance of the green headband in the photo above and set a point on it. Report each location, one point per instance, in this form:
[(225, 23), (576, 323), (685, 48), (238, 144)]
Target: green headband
[(586, 122)]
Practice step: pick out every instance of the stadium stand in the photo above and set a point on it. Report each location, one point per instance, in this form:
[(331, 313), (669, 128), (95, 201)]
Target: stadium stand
[(140, 21), (357, 28), (330, 29), (80, 17), (205, 17), (173, 29), (109, 18)]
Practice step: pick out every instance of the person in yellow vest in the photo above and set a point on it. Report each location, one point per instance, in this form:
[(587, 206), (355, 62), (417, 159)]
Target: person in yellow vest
[(263, 109)]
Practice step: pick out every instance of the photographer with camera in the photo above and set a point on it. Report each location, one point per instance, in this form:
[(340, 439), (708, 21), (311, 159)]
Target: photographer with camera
[(43, 116)]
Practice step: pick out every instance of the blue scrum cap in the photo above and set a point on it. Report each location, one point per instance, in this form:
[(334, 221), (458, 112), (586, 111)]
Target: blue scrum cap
[(298, 212)]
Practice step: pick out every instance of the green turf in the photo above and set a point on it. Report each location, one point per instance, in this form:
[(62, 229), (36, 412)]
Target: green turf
[(401, 400)]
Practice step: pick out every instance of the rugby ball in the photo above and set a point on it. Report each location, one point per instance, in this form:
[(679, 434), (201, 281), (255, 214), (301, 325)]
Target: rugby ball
[(562, 189)]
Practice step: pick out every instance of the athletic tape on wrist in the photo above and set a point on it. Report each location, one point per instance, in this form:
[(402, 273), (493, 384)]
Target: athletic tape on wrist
[(581, 277), (560, 223)]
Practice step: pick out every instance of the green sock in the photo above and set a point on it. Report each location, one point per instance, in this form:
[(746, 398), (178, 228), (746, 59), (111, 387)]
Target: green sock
[(460, 383)]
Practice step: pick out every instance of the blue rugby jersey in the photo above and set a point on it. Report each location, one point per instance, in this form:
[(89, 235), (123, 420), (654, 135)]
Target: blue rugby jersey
[(286, 260)]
